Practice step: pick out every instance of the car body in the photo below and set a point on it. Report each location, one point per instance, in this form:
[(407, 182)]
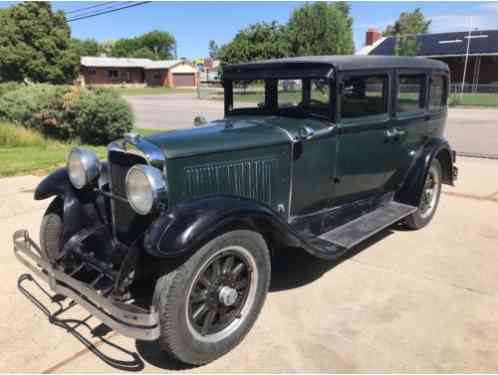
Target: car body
[(317, 153)]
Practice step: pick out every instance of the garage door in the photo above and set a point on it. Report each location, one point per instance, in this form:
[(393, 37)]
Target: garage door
[(183, 79)]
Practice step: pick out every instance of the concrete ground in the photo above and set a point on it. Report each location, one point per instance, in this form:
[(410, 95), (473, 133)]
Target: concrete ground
[(404, 301), (470, 131)]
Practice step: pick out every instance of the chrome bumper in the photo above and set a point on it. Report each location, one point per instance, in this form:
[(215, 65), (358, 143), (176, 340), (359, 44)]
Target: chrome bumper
[(127, 319)]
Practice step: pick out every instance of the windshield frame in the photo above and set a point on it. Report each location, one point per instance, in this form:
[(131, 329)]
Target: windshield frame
[(271, 107)]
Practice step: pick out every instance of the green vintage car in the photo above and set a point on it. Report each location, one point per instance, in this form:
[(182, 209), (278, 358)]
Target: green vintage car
[(171, 238)]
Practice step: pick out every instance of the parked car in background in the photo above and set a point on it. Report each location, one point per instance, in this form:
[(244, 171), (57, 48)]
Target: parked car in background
[(171, 238)]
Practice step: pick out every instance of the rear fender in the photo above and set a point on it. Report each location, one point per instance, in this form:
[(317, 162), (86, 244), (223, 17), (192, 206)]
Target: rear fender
[(187, 226), (411, 190)]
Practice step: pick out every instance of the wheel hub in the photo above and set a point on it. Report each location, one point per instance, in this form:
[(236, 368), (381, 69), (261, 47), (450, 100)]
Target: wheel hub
[(227, 296)]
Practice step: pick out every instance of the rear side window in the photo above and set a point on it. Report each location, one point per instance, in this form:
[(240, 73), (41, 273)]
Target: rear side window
[(364, 96), (249, 94), (410, 93), (437, 94)]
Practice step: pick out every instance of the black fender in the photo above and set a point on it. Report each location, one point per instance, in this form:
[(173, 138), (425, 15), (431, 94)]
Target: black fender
[(187, 226), (80, 208), (412, 187)]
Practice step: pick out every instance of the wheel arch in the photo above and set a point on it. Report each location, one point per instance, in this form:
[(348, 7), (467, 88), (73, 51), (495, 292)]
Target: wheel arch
[(411, 189)]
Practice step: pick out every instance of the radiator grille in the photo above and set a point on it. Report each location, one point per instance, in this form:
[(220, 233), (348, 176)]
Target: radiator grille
[(127, 223), (251, 179)]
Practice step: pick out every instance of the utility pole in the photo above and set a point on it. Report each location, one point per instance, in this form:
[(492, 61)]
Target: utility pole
[(466, 58)]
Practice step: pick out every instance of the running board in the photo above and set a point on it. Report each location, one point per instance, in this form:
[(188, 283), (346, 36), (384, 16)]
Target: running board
[(356, 231)]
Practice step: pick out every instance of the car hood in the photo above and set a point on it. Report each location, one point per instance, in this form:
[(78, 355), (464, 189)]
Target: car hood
[(232, 133)]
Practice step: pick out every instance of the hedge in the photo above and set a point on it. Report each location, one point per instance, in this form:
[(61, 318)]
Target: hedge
[(67, 112)]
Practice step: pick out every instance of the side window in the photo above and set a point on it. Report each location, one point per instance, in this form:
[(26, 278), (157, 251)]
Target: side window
[(410, 93), (437, 94), (290, 93), (249, 94), (364, 96)]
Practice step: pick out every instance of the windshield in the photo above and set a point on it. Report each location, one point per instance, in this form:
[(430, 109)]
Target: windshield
[(308, 97)]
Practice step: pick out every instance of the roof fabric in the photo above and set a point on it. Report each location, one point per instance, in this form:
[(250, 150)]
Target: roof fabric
[(481, 42)]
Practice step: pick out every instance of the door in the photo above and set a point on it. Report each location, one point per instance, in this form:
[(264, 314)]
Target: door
[(183, 79), (364, 119), (409, 125)]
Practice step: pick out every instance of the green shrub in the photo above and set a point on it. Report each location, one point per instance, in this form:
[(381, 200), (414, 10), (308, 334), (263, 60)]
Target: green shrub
[(102, 116), (6, 87), (68, 112)]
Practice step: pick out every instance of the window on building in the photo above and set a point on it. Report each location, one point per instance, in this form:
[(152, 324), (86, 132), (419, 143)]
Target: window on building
[(410, 93), (157, 76), (364, 96), (437, 94), (112, 73), (92, 72)]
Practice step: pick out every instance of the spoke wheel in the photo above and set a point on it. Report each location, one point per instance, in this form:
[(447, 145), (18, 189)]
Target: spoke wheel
[(430, 193), (221, 293)]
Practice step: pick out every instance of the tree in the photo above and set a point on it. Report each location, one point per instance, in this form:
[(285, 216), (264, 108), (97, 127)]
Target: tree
[(87, 47), (257, 42), (35, 45), (409, 23), (321, 29), (213, 49), (405, 29), (155, 45)]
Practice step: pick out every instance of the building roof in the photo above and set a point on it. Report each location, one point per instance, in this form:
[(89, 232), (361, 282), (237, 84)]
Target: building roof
[(323, 65), (121, 62), (481, 42)]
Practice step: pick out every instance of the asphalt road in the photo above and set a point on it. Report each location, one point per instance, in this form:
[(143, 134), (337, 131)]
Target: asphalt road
[(470, 131), (421, 301)]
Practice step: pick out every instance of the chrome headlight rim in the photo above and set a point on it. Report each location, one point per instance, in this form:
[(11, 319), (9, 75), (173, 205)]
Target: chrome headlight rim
[(89, 164), (157, 185)]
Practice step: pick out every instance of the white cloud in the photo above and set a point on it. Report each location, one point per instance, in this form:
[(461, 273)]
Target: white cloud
[(489, 6), (459, 22)]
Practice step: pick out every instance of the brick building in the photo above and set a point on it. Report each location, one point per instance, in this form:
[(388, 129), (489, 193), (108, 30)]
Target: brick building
[(482, 45), (137, 72)]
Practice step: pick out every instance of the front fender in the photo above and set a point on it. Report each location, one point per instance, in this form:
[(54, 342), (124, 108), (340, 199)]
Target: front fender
[(412, 187), (187, 226), (80, 208)]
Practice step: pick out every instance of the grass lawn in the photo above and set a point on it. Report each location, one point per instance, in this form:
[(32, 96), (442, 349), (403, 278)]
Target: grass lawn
[(128, 91), (42, 157), (484, 100)]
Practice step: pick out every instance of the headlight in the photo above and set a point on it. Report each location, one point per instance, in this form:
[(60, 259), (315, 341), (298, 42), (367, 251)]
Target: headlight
[(83, 167), (145, 188)]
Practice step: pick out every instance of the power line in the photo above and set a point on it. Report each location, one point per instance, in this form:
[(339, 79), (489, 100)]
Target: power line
[(99, 13), (98, 5), (111, 5)]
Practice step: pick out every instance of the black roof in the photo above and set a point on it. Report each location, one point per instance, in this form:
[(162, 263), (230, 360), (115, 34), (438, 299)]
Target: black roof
[(324, 65), (447, 44)]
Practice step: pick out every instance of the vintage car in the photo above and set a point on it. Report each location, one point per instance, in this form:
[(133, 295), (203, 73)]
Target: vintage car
[(172, 238)]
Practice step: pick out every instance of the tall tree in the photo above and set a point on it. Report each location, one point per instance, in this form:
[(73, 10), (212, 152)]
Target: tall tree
[(213, 49), (321, 28), (405, 29), (257, 42), (87, 47), (35, 44), (409, 23), (155, 45)]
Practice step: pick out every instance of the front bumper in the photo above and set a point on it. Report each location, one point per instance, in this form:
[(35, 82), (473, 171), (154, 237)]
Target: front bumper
[(127, 319)]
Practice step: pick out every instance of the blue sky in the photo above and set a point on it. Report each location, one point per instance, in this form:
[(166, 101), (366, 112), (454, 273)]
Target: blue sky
[(194, 23)]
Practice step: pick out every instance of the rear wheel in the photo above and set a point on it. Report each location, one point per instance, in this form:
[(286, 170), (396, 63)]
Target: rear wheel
[(208, 304), (430, 198)]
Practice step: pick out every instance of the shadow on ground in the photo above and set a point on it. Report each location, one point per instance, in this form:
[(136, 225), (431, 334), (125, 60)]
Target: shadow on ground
[(291, 268)]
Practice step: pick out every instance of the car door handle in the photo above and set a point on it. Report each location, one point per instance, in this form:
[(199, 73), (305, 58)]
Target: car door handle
[(390, 133)]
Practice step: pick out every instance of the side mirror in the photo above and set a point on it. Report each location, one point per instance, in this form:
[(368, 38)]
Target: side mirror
[(199, 120)]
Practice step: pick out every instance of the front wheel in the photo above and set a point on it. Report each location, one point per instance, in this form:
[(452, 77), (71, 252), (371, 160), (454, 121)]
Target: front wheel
[(430, 198), (208, 304)]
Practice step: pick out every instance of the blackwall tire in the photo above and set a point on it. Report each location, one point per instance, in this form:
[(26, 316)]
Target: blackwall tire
[(424, 215), (232, 303), (51, 230)]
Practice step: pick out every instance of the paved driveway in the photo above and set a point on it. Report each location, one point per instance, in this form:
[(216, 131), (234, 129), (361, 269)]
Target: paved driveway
[(404, 301), (470, 131)]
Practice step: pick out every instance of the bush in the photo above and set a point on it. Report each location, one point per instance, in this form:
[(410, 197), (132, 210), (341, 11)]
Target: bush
[(68, 112), (102, 116), (6, 87)]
